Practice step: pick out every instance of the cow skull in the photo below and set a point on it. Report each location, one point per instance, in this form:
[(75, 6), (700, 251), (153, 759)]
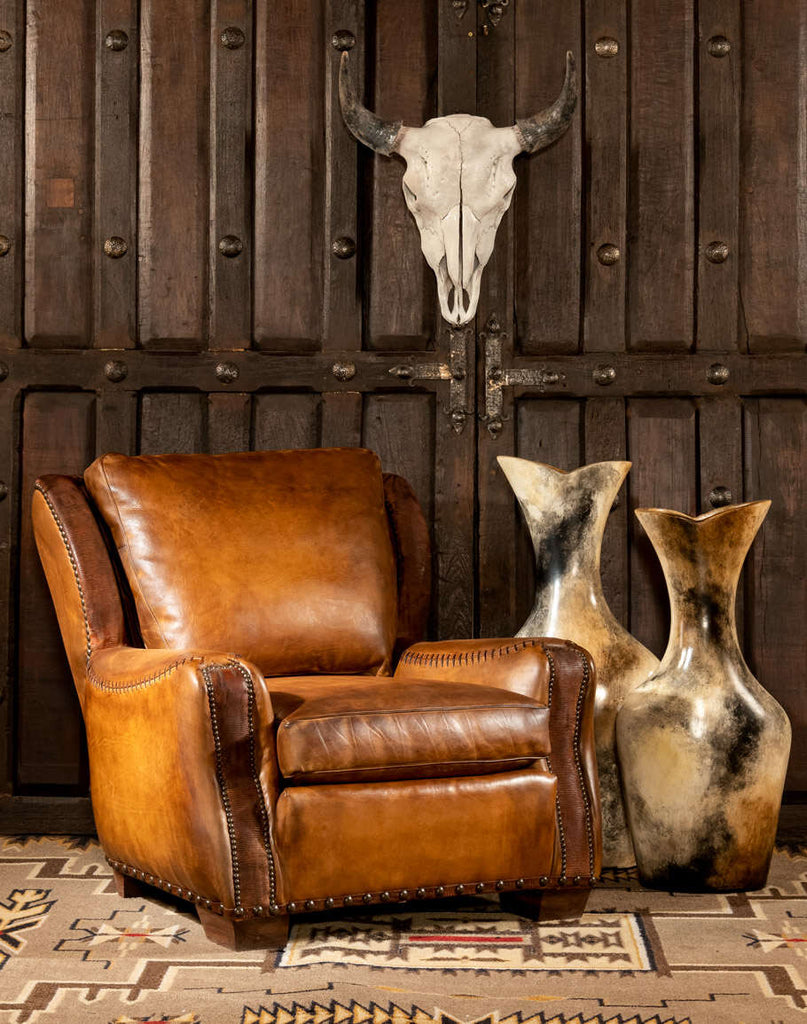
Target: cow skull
[(459, 181)]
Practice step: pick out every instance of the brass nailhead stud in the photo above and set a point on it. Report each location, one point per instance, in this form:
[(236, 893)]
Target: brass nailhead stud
[(343, 247), (578, 879), (116, 40), (344, 371), (115, 370), (562, 880), (439, 891), (149, 879), (403, 895), (480, 886), (115, 247), (292, 907), (717, 373), (367, 897), (347, 900), (343, 40), (181, 892), (717, 252), (208, 904), (227, 373), (420, 893), (330, 901), (720, 496), (5, 245), (385, 897), (231, 246), (718, 46), (543, 880), (608, 254), (606, 46), (604, 375), (232, 37), (459, 889), (519, 883), (309, 904), (257, 910), (5, 40), (499, 885), (274, 908)]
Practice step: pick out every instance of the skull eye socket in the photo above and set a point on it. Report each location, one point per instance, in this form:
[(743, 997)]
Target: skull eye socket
[(409, 194)]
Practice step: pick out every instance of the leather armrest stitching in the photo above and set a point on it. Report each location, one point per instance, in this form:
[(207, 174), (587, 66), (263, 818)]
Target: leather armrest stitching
[(444, 658), (266, 827), (415, 764), (143, 681), (74, 565), (391, 712), (225, 794)]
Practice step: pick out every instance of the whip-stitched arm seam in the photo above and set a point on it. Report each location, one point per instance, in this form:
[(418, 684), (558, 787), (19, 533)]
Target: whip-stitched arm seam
[(144, 681), (443, 658)]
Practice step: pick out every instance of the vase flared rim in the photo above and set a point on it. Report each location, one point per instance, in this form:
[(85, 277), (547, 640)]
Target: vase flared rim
[(565, 472), (713, 513)]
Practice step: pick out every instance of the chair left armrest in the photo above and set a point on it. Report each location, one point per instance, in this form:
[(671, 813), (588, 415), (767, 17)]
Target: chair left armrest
[(561, 675)]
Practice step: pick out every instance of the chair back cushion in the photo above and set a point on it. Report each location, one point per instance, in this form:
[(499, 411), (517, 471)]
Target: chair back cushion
[(283, 558)]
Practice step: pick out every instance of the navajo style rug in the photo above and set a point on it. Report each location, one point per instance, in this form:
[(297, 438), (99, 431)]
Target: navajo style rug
[(72, 952)]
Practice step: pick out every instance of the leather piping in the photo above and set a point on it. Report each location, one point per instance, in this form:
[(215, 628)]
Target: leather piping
[(74, 565), (412, 711), (527, 758)]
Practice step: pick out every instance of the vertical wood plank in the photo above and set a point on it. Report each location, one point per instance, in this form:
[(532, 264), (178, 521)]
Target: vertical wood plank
[(228, 422), (343, 300), (661, 187), (116, 422), (497, 511), (50, 734), (341, 419), (456, 42), (285, 420), (775, 460), (12, 86), (174, 196), (10, 402), (115, 206), (719, 83), (548, 431), (773, 268), (400, 429), (230, 186), (172, 422), (605, 441), (606, 133), (58, 143), (547, 202), (662, 448), (290, 67), (401, 287)]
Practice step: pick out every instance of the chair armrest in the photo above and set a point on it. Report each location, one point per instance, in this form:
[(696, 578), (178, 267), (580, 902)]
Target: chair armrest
[(560, 675), (184, 773)]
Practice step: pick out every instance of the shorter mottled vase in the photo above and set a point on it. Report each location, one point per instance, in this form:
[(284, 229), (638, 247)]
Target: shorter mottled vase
[(566, 514), (702, 746)]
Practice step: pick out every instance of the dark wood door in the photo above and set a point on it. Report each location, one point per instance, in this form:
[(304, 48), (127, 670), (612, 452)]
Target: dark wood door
[(198, 257)]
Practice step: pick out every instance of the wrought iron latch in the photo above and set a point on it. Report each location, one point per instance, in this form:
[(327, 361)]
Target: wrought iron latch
[(455, 372), (497, 378)]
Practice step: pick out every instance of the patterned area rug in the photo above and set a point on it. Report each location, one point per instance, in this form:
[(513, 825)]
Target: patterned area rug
[(72, 952)]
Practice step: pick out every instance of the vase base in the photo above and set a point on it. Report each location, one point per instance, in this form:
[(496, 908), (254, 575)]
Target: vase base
[(695, 880)]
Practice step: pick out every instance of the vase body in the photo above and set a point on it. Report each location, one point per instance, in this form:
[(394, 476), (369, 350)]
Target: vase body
[(566, 514), (702, 746)]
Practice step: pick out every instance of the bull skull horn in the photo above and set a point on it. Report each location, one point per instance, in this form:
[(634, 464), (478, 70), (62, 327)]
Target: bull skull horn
[(382, 136), (538, 132)]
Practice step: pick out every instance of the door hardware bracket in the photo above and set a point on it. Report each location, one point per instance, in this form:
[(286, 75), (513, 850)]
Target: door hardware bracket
[(455, 372), (497, 377)]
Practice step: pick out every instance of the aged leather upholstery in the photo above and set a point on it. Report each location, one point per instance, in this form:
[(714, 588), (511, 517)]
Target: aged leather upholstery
[(423, 730), (474, 763)]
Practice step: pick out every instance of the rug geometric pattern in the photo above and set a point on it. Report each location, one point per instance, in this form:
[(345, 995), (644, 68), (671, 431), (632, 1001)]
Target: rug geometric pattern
[(72, 952)]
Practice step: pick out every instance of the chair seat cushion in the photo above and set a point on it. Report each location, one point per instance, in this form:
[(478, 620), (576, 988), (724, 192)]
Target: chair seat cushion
[(376, 730)]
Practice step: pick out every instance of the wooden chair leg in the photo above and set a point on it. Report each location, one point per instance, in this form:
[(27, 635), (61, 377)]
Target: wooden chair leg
[(126, 887), (553, 905), (256, 933)]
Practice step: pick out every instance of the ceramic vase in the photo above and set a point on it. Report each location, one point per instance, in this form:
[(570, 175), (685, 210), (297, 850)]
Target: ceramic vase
[(566, 515), (702, 746)]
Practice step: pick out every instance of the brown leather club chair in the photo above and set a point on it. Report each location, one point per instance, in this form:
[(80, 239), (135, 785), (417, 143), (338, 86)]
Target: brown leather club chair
[(231, 623)]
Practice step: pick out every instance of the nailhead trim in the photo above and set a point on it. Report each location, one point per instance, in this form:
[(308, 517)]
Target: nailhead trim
[(387, 896), (225, 796), (579, 764), (558, 810), (74, 565)]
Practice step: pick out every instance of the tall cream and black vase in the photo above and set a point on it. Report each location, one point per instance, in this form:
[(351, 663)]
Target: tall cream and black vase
[(566, 515), (702, 746)]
